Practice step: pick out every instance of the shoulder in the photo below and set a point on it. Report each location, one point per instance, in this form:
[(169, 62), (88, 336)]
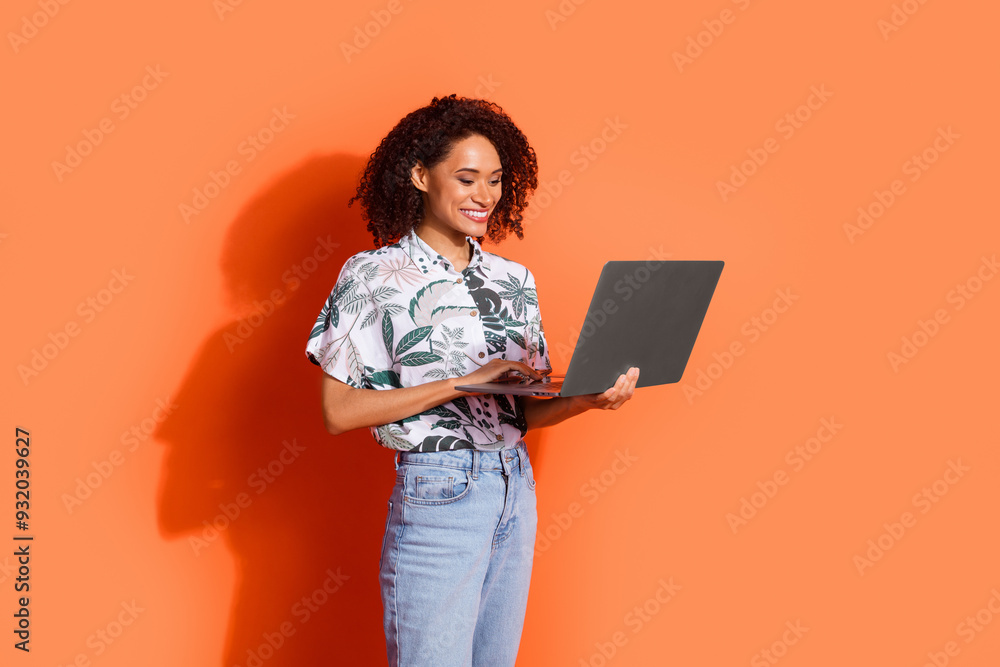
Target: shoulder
[(367, 266), (501, 267)]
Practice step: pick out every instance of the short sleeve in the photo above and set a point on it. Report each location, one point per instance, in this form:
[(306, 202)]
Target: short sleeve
[(339, 341), (537, 349)]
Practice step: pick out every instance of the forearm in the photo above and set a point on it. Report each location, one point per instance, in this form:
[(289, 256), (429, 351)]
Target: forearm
[(347, 408), (542, 412)]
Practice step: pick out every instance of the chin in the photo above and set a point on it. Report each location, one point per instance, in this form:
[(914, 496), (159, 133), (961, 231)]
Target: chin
[(474, 229)]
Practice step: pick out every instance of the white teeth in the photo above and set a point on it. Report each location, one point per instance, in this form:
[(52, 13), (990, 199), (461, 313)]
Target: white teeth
[(475, 214)]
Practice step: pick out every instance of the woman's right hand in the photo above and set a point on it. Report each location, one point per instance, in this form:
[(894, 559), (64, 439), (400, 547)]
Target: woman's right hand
[(493, 369)]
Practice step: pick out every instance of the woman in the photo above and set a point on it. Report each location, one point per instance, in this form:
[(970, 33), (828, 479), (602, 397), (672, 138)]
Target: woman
[(406, 323)]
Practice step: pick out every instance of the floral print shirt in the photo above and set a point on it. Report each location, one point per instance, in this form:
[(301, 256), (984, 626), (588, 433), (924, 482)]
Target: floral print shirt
[(402, 315)]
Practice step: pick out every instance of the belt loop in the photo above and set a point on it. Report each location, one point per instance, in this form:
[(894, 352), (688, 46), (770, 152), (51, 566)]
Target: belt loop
[(395, 459), (475, 464)]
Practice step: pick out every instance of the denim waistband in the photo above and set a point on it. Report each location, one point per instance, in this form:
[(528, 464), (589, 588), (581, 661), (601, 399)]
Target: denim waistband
[(466, 459)]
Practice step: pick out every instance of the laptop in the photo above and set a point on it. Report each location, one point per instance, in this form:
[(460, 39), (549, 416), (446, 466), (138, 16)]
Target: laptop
[(643, 313)]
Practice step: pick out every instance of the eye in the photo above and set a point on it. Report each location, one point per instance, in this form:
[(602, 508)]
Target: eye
[(465, 181), (496, 182)]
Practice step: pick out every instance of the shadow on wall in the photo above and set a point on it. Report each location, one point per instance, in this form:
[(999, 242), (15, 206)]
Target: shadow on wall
[(249, 462)]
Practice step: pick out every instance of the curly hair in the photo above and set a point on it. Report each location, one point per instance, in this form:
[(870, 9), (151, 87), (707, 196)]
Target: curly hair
[(393, 206)]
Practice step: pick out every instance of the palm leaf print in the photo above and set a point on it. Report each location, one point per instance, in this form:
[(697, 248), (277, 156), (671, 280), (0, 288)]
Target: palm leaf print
[(389, 436), (369, 270), (355, 367), (442, 313), (420, 359), (536, 341), (516, 292), (401, 271), (462, 404), (411, 339), (328, 317), (425, 308), (369, 318), (381, 294), (517, 338), (387, 333), (386, 379), (441, 411), (347, 296)]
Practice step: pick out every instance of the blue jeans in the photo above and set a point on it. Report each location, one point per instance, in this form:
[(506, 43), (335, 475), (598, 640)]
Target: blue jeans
[(456, 557)]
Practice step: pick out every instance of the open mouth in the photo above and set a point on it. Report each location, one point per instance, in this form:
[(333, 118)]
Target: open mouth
[(479, 215)]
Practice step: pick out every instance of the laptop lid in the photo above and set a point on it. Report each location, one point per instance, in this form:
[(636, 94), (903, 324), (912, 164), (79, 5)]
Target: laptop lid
[(643, 313)]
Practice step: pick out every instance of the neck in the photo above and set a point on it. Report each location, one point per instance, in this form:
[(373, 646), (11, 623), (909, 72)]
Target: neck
[(450, 244)]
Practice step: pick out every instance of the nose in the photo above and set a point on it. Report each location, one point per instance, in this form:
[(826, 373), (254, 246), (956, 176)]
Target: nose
[(482, 196)]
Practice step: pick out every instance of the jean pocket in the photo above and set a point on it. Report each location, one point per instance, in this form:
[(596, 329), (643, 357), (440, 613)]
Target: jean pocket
[(435, 486)]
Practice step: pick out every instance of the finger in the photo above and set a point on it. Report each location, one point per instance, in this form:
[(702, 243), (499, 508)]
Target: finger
[(538, 373), (634, 380), (613, 395), (632, 377), (612, 391), (525, 369), (622, 390)]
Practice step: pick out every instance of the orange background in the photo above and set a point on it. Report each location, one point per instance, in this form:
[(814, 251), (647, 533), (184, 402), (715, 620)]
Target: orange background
[(682, 127)]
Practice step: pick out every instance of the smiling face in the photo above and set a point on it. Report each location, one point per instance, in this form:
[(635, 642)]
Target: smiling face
[(461, 191)]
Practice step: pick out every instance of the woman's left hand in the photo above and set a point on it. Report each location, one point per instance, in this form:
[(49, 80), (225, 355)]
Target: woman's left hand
[(613, 398)]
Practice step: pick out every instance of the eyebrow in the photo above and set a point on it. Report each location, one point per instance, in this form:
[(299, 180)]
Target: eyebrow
[(476, 171)]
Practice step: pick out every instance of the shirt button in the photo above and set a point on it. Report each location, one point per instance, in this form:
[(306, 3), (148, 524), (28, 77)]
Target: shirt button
[(458, 280), (499, 436), (473, 313), (482, 354)]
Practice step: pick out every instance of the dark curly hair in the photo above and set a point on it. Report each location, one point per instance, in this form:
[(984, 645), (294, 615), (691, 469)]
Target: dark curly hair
[(393, 206)]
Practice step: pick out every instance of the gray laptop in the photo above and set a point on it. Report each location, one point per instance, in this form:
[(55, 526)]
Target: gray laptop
[(645, 314)]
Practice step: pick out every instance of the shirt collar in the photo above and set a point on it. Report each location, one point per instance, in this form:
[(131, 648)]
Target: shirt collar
[(427, 258)]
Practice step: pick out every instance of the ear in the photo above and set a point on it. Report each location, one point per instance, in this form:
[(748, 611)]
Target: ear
[(419, 175)]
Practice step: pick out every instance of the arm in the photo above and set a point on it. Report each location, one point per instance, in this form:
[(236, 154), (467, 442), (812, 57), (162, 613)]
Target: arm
[(346, 408), (541, 412)]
